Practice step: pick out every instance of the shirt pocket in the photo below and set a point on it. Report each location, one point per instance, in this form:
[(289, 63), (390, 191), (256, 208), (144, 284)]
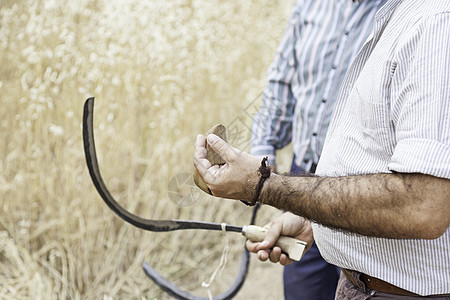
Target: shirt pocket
[(372, 117)]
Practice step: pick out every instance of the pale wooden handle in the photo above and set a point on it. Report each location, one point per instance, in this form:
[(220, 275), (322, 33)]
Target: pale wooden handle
[(292, 247)]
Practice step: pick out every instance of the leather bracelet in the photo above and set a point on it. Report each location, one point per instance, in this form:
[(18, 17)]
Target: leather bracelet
[(264, 171)]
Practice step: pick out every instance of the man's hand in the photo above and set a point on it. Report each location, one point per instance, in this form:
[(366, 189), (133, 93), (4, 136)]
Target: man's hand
[(236, 179), (286, 224), (385, 205)]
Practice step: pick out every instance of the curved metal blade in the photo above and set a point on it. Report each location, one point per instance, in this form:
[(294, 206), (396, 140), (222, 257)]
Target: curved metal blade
[(94, 171), (154, 225), (178, 293)]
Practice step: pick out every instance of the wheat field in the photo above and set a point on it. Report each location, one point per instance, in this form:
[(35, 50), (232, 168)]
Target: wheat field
[(161, 72)]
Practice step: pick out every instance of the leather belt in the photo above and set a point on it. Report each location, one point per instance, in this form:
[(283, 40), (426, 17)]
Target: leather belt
[(376, 284), (379, 285)]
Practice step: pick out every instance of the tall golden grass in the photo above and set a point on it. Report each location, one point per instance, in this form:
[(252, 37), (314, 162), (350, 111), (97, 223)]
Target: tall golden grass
[(161, 71)]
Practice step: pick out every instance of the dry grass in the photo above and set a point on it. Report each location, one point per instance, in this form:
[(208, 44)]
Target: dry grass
[(161, 71)]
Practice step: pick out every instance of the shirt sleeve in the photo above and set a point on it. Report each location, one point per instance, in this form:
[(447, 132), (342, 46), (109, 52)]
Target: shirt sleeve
[(421, 112), (272, 125)]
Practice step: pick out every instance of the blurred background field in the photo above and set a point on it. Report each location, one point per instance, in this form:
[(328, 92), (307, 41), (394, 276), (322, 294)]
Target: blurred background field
[(161, 72)]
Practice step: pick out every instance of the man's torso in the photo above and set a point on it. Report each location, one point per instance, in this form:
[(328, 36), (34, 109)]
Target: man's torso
[(382, 124)]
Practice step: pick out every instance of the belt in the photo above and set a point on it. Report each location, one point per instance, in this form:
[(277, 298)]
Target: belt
[(376, 284)]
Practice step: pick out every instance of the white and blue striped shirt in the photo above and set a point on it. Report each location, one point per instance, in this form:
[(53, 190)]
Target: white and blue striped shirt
[(321, 40), (393, 114)]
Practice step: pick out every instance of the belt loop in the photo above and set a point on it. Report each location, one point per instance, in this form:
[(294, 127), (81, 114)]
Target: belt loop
[(353, 277)]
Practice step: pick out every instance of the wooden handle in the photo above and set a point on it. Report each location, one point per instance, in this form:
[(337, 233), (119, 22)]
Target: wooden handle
[(292, 247)]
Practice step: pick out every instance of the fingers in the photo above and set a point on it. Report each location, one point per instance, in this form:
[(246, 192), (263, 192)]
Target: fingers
[(251, 246), (225, 150), (266, 251), (272, 235), (200, 148), (263, 255), (231, 179), (201, 163), (274, 255), (200, 141), (285, 260)]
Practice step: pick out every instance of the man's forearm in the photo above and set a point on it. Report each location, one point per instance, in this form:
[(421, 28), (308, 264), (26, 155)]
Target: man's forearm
[(380, 205)]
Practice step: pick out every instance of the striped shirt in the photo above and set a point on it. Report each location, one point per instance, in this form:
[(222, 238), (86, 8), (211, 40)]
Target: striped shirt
[(393, 114), (321, 40)]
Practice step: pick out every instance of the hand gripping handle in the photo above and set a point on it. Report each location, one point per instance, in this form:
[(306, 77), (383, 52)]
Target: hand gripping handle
[(292, 247)]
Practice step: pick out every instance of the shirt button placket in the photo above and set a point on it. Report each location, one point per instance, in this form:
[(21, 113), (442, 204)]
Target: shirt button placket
[(291, 62)]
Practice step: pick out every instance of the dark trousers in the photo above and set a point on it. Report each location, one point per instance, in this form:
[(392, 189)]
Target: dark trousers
[(312, 278)]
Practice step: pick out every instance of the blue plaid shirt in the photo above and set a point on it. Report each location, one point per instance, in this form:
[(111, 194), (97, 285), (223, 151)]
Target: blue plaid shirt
[(321, 40)]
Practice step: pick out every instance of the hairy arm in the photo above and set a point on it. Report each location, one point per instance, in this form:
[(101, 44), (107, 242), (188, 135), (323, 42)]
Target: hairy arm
[(380, 205)]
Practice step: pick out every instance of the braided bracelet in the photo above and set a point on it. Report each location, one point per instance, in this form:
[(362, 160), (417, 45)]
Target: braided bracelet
[(264, 171)]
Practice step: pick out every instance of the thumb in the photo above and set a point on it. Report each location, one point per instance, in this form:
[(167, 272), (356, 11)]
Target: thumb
[(225, 150), (272, 236)]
